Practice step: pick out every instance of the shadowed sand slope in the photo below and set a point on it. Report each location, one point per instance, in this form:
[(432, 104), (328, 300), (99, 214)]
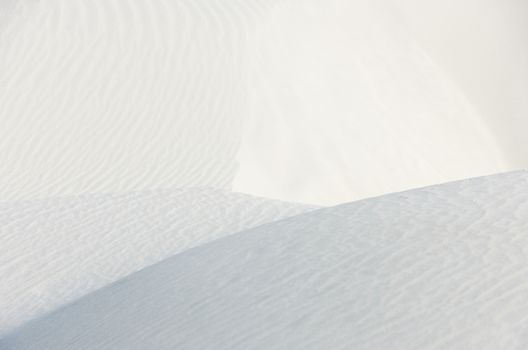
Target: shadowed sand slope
[(54, 251), (443, 267)]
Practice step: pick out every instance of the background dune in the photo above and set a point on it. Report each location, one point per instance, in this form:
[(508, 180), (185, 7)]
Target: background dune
[(347, 104), (482, 45), (312, 101), (105, 96)]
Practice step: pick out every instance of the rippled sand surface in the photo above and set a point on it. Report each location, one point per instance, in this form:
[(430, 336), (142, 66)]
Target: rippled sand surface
[(136, 135), (54, 251), (443, 267)]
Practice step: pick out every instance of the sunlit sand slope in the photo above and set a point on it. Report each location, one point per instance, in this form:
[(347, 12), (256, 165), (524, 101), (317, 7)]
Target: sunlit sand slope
[(311, 101)]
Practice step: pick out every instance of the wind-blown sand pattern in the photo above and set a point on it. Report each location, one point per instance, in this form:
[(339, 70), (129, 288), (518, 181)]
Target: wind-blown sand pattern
[(106, 96), (56, 250), (308, 101), (442, 267), (127, 127)]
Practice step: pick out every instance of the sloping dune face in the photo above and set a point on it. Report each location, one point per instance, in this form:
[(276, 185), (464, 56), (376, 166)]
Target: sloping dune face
[(442, 267), (483, 45), (312, 101), (54, 251), (352, 97), (105, 96)]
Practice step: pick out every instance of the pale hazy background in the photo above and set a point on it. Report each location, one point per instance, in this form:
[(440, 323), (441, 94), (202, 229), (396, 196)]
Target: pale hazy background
[(483, 46)]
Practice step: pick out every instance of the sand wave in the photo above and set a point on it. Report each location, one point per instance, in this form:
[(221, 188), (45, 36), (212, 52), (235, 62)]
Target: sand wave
[(442, 267), (56, 250)]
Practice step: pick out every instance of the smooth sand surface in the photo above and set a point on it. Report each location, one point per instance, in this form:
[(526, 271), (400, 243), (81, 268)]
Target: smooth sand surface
[(344, 96)]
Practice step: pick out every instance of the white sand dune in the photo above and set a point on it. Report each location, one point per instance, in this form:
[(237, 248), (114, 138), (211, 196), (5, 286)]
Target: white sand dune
[(7, 10), (442, 267), (343, 96), (106, 96), (483, 46), (308, 101), (312, 101), (56, 250)]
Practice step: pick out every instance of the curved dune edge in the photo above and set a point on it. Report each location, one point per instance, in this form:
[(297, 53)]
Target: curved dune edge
[(442, 267), (344, 95), (311, 101), (57, 250)]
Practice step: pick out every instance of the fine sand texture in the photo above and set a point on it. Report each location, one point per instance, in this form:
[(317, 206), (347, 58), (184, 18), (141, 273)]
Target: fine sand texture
[(173, 173), (442, 267), (56, 250)]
